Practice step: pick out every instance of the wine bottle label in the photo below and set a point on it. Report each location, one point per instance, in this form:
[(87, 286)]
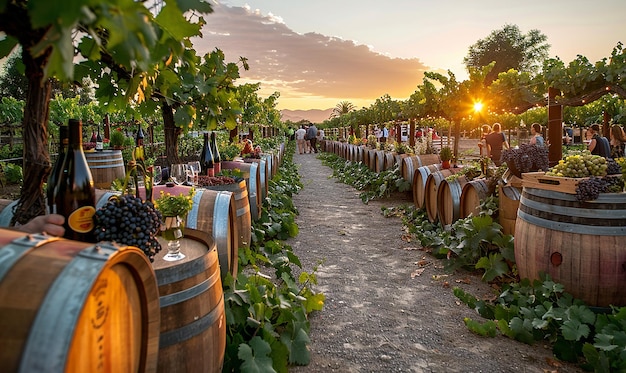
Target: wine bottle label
[(99, 145), (81, 220)]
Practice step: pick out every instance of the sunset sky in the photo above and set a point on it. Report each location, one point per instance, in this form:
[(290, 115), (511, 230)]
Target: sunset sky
[(318, 53)]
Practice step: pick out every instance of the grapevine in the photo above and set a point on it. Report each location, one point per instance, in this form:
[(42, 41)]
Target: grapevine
[(127, 220)]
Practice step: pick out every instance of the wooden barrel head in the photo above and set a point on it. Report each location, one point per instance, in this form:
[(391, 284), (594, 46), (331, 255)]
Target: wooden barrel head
[(76, 307)]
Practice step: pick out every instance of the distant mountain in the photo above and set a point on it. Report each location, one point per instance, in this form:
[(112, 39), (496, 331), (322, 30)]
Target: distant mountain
[(312, 115)]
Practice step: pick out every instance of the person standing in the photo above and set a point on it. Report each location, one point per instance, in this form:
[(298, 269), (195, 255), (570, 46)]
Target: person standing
[(536, 139), (599, 145), (618, 139), (384, 134), (311, 135), (300, 141), (320, 136), (482, 144), (496, 141)]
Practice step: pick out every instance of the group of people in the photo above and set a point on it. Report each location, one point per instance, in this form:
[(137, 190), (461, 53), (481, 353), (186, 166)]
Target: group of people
[(492, 142), (600, 145), (307, 138), (381, 134)]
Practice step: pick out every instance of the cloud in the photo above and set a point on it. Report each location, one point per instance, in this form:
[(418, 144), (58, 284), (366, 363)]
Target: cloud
[(310, 65)]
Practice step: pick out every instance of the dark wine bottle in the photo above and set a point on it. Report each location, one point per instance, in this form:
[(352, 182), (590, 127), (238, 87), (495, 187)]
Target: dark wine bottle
[(93, 137), (99, 142), (75, 195), (53, 178), (217, 160), (206, 158)]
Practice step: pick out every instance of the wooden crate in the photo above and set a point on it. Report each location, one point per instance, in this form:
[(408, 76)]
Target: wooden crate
[(540, 180)]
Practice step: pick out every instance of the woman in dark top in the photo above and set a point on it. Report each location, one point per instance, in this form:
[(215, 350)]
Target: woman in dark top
[(599, 145), (618, 139)]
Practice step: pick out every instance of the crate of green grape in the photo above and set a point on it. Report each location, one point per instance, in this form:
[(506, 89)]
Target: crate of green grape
[(541, 180)]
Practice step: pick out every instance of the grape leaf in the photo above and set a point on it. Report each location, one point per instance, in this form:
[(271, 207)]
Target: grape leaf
[(297, 343), (255, 356), (574, 330)]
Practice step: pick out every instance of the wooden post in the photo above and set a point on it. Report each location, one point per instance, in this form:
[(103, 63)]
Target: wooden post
[(555, 130), (457, 131), (412, 132)]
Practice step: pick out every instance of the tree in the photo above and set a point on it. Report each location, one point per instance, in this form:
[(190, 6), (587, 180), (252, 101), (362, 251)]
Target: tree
[(509, 49), (344, 107), (111, 37)]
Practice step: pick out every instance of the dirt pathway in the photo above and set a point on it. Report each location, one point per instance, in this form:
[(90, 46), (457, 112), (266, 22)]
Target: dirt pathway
[(377, 316)]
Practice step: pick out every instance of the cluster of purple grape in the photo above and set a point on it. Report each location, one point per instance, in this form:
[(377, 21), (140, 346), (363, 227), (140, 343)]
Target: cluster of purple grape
[(614, 184), (527, 157), (128, 220), (590, 189), (613, 168)]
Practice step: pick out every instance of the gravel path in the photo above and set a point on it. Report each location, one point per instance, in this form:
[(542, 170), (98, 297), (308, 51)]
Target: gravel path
[(380, 315)]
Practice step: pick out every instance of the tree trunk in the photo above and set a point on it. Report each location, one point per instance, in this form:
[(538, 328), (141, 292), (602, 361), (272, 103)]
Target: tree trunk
[(36, 161), (171, 134)]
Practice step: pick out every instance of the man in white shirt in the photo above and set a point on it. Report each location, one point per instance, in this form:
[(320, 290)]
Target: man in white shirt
[(300, 133)]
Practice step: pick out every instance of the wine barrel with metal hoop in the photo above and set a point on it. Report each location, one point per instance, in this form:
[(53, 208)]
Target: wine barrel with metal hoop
[(579, 244), (193, 321), (70, 306)]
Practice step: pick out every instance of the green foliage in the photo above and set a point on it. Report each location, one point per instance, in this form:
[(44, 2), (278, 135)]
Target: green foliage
[(8, 152), (373, 185), (117, 138), (445, 154), (510, 49), (12, 173), (542, 311), (267, 313), (475, 242)]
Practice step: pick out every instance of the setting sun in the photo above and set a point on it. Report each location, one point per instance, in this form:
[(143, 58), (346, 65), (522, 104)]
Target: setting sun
[(478, 106)]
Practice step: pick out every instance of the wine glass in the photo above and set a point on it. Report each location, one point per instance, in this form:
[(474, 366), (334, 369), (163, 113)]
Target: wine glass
[(195, 169), (157, 175), (179, 173)]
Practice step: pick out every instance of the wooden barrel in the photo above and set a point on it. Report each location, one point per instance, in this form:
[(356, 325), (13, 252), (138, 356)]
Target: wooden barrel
[(390, 160), (269, 163), (430, 192), (360, 153), (263, 176), (449, 200), (579, 244), (399, 160), (379, 161), (472, 195), (508, 199), (105, 167), (215, 212), (70, 306), (7, 206), (412, 163), (242, 208), (371, 159), (193, 321), (419, 184), (253, 183)]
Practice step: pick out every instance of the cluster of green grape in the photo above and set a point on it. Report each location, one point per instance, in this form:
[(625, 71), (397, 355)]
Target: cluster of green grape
[(580, 165)]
